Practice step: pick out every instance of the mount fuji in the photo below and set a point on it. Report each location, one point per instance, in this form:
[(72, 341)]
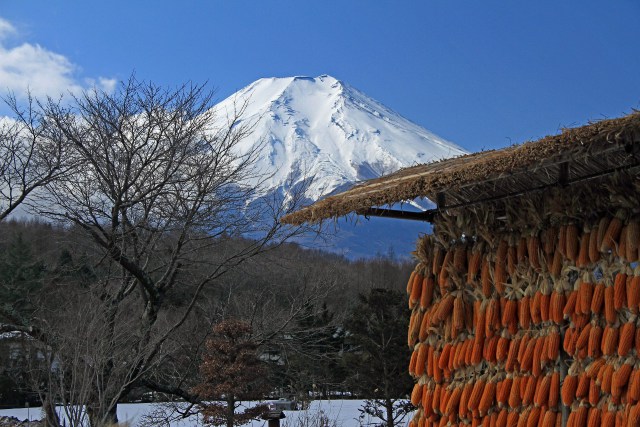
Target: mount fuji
[(323, 130)]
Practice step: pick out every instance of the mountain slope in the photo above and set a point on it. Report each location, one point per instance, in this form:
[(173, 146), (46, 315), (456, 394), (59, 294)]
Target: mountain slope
[(326, 130)]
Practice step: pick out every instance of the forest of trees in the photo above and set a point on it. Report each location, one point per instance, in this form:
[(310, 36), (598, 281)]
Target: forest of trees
[(312, 314), (145, 244)]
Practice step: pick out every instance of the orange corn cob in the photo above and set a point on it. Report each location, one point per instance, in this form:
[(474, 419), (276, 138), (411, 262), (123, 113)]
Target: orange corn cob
[(534, 417), (445, 395), (553, 344), (421, 360), (476, 395), (410, 282), (607, 378), (512, 355), (524, 313), (426, 296), (488, 397), (501, 251), (485, 277), (549, 419), (603, 225), (549, 239), (460, 258), (609, 304), (424, 326), (620, 291), (597, 299), (556, 307), (621, 376), (490, 346), (438, 259), (536, 365), (572, 242), (463, 409), (443, 276), (535, 308), (570, 306), (416, 395), (568, 389), (570, 338), (634, 385), (476, 354), (530, 390), (502, 395), (608, 419), (582, 389), (609, 340), (595, 338), (627, 336), (502, 348), (594, 392), (583, 338), (593, 418), (621, 248), (458, 314), (510, 312), (583, 254), (541, 395), (527, 357), (533, 250), (473, 267), (514, 393), (545, 301), (416, 290), (412, 363), (554, 390), (454, 400), (556, 264), (585, 293), (503, 415), (610, 238), (562, 240)]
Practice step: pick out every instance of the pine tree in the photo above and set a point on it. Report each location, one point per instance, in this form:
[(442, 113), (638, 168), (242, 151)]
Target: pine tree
[(377, 328)]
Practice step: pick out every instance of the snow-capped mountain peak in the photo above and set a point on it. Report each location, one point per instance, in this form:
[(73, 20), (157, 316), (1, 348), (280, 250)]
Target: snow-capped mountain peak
[(324, 129)]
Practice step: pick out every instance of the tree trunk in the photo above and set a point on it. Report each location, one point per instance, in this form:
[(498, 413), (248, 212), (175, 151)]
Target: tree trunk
[(50, 415), (100, 416), (231, 410), (388, 404)]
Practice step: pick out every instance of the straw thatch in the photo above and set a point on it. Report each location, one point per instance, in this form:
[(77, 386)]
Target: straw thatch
[(575, 155)]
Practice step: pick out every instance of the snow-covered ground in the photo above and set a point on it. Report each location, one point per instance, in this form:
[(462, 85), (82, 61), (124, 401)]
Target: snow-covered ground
[(336, 413)]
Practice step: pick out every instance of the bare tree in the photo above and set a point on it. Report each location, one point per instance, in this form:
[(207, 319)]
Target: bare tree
[(28, 159), (158, 189)]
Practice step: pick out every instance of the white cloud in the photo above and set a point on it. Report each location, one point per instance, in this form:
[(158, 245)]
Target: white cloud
[(6, 29), (31, 67)]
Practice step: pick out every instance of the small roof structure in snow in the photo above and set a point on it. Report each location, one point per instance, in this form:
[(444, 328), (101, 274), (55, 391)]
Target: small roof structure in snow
[(575, 155)]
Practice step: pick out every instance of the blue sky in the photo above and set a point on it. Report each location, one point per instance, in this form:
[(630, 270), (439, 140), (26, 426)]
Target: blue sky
[(481, 74)]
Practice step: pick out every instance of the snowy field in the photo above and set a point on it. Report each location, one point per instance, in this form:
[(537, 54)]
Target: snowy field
[(335, 413)]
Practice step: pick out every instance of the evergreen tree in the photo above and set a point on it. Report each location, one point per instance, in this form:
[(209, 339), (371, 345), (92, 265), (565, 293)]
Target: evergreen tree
[(377, 331), (21, 277)]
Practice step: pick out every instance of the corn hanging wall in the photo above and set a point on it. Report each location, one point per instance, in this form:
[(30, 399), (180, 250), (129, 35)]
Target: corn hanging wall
[(525, 311)]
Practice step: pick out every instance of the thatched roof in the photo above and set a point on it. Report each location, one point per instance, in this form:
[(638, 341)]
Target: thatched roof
[(574, 155)]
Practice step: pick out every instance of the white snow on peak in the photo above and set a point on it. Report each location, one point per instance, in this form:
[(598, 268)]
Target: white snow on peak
[(324, 129)]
